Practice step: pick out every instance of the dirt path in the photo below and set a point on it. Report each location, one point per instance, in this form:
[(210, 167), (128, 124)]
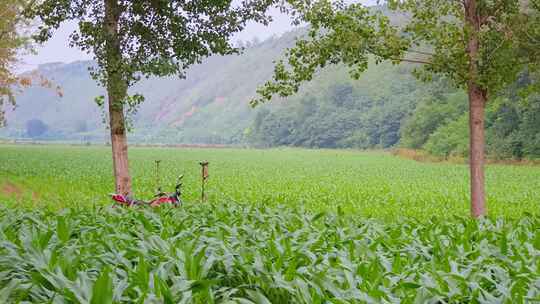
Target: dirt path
[(10, 189)]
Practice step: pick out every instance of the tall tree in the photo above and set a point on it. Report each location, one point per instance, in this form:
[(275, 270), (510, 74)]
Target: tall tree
[(470, 42), (134, 38)]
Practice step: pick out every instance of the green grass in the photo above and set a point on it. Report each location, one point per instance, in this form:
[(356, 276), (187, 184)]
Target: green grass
[(371, 184), (281, 226)]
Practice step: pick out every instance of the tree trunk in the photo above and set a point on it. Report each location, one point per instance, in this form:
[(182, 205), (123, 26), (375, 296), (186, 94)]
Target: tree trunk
[(117, 92), (477, 102)]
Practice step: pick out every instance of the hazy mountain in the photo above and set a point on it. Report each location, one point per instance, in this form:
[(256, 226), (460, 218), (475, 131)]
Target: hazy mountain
[(210, 105)]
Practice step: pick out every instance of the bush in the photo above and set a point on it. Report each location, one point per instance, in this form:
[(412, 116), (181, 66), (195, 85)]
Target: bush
[(451, 139)]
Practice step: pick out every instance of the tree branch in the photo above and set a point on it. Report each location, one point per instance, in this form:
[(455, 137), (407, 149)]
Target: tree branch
[(411, 60), (420, 52)]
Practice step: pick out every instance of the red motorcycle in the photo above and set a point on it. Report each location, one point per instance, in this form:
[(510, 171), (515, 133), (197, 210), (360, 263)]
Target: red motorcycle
[(161, 198)]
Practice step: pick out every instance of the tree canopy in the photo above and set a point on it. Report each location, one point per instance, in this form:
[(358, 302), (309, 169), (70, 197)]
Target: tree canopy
[(433, 35), (155, 38)]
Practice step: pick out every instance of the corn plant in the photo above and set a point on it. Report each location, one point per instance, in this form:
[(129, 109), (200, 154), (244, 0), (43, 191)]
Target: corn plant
[(234, 253)]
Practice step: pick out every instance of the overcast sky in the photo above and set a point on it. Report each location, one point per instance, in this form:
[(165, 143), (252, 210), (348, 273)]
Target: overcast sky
[(57, 48)]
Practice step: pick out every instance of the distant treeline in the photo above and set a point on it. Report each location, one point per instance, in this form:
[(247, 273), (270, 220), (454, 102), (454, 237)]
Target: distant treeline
[(404, 113)]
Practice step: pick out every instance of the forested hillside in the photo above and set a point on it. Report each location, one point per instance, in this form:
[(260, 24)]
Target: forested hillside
[(386, 108)]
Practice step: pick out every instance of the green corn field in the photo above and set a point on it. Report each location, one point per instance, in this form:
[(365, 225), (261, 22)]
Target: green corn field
[(280, 226)]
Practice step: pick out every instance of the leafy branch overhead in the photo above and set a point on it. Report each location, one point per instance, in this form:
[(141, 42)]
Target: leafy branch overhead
[(431, 35), (338, 33), (156, 37)]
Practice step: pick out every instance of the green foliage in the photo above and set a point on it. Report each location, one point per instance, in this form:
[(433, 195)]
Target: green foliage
[(102, 291), (338, 33), (198, 29), (451, 139), (429, 115), (441, 28), (503, 139), (529, 38), (529, 127), (511, 124), (334, 111), (228, 253), (435, 34), (366, 183)]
